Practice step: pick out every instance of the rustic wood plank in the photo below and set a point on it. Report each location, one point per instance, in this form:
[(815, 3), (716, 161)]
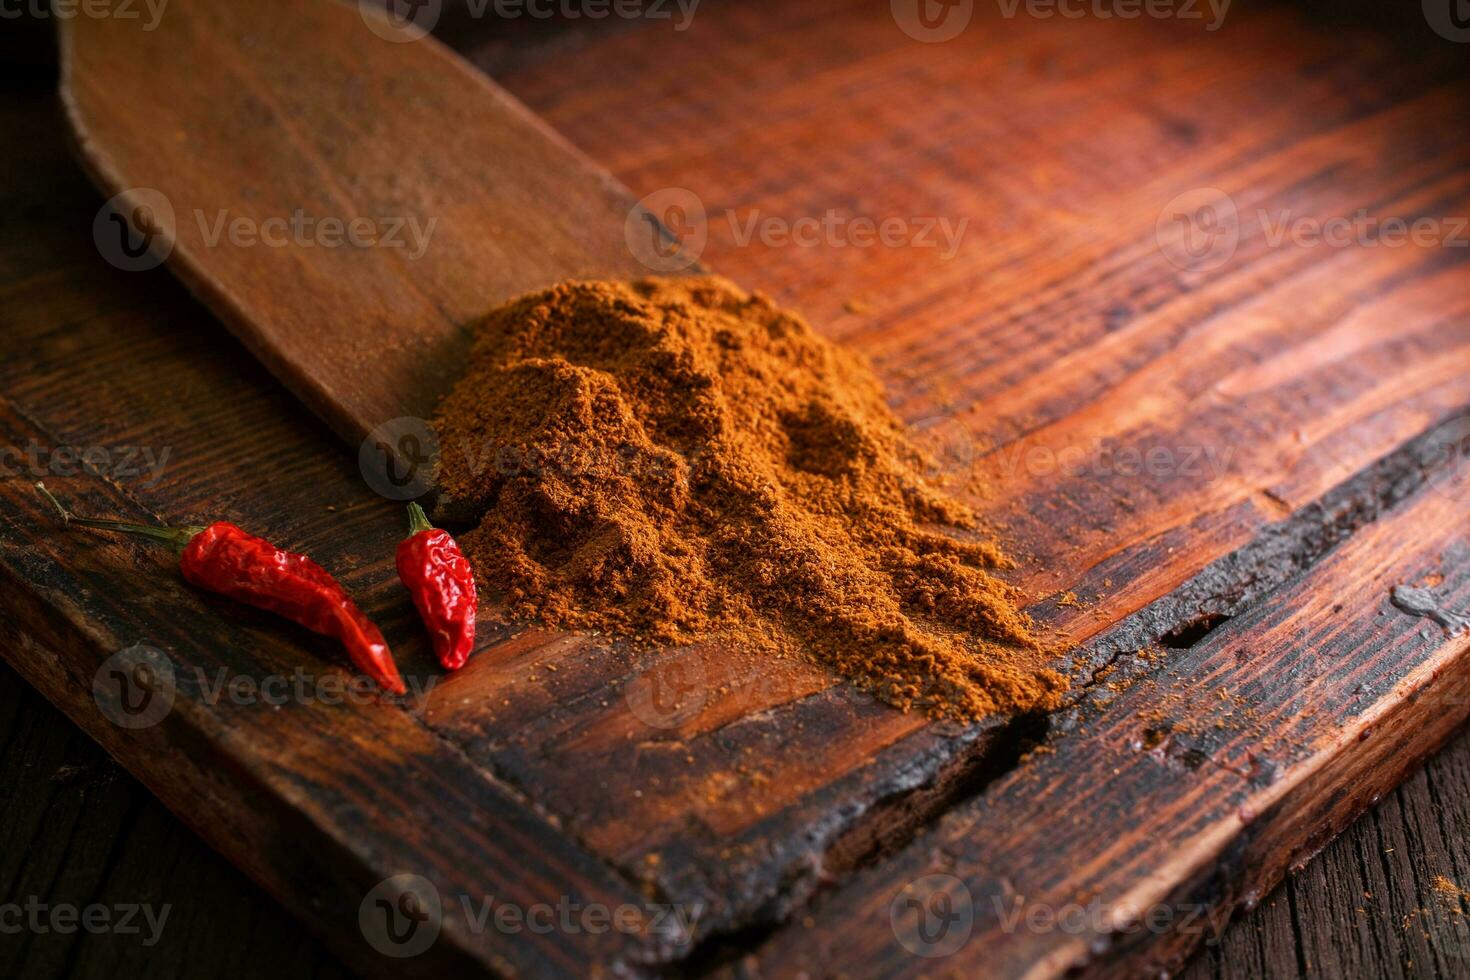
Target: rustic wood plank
[(1197, 782), (1063, 279), (1345, 932), (296, 796), (1347, 374), (70, 601), (94, 836), (1340, 916)]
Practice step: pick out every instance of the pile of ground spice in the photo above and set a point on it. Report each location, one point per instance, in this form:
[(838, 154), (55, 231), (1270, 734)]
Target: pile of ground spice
[(675, 459)]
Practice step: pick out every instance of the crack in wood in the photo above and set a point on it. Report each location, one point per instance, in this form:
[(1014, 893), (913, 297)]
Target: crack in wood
[(1198, 612)]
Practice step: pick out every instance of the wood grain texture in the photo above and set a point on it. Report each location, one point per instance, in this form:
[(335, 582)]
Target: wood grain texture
[(754, 794), (1197, 782), (1059, 324), (257, 113), (1374, 903), (84, 833), (1367, 906), (97, 343)]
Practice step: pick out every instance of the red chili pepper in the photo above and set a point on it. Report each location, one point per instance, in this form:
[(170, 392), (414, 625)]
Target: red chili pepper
[(224, 559), (442, 585)]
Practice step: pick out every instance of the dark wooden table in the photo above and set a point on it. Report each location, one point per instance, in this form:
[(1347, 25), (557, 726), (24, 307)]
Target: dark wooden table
[(78, 831)]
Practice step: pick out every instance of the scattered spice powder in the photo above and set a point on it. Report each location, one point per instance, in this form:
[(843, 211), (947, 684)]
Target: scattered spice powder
[(1455, 898), (675, 459)]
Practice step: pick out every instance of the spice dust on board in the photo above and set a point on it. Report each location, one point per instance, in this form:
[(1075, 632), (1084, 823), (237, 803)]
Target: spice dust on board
[(672, 460)]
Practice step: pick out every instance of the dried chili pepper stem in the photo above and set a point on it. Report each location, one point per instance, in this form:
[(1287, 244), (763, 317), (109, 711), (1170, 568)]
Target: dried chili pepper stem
[(442, 584), (417, 519), (179, 537), (222, 558)]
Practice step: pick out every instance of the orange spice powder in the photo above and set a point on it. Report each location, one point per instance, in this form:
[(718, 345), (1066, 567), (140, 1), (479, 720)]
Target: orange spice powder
[(676, 459)]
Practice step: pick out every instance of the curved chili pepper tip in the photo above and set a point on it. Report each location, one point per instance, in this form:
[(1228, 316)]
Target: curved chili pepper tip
[(235, 563)]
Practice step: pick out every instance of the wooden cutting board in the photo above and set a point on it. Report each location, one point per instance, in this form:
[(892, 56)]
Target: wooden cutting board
[(1248, 682), (343, 192)]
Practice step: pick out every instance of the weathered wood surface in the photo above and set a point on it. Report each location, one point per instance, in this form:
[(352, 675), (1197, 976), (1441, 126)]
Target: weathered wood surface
[(294, 794), (298, 125), (1059, 322), (1373, 904), (1309, 365), (1185, 790)]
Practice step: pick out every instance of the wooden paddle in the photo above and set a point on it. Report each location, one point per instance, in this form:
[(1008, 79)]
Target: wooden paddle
[(344, 193)]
